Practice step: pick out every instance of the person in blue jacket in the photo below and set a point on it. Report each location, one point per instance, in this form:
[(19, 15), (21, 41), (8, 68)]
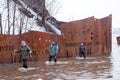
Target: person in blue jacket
[(53, 51), (82, 50)]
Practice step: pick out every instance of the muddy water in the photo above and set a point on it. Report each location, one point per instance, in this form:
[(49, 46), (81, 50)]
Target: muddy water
[(100, 68), (64, 69)]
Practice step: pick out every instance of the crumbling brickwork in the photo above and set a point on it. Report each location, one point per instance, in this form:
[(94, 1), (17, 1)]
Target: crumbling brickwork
[(95, 33), (39, 42)]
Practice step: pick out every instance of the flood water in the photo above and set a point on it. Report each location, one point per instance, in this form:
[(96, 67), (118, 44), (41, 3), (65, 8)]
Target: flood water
[(75, 68)]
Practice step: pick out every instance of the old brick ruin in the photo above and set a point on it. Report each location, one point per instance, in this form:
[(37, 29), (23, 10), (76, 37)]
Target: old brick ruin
[(95, 33)]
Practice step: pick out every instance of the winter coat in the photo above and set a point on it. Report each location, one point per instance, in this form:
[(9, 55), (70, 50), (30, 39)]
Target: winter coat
[(82, 49), (53, 49), (25, 51)]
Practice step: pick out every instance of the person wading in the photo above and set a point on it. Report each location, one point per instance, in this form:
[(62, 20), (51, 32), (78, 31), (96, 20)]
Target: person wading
[(25, 52), (82, 50), (53, 51)]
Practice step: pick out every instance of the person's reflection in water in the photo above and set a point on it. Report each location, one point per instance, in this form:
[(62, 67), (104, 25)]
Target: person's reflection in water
[(53, 71), (83, 64)]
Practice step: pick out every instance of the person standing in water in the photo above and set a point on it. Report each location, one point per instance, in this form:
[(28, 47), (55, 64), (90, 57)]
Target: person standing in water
[(53, 51), (82, 50), (25, 52)]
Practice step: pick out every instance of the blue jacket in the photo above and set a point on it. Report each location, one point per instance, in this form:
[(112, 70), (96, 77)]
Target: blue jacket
[(53, 49)]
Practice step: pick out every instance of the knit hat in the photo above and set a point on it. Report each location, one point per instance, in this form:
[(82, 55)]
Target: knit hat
[(23, 43)]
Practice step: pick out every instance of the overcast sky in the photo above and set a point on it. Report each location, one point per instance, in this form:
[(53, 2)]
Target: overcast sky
[(80, 9)]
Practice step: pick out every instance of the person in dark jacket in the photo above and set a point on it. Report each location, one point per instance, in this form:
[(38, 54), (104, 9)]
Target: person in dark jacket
[(25, 52), (53, 51), (82, 50)]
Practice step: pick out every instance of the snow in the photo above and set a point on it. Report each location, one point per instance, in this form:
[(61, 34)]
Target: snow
[(40, 79), (30, 23), (58, 62), (52, 26), (27, 69), (116, 31), (57, 31)]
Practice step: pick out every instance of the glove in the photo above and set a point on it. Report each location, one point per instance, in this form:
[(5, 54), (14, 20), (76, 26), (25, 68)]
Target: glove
[(16, 51), (30, 52)]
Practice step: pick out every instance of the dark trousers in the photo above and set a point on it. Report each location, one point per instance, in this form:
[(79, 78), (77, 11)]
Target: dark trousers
[(25, 63), (82, 54), (50, 58)]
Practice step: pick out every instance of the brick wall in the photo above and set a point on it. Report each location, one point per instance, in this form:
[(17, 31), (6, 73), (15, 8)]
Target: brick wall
[(95, 33), (39, 42)]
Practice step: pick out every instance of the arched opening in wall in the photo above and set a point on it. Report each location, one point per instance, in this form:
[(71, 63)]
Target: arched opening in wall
[(70, 34), (91, 38), (84, 32), (76, 51), (67, 54), (91, 33), (0, 48), (90, 49)]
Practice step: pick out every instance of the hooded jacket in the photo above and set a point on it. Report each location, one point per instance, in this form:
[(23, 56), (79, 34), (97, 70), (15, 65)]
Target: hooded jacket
[(25, 51), (53, 49)]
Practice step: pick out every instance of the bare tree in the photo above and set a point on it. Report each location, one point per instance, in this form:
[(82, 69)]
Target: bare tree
[(26, 25), (1, 25), (43, 12), (8, 8), (53, 6), (21, 23), (14, 12)]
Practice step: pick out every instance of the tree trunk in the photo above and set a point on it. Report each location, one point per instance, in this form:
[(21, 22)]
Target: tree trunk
[(1, 25), (43, 14), (21, 24), (8, 16), (26, 25), (14, 18)]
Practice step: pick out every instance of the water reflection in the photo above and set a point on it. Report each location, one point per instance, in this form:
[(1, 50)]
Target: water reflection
[(115, 59), (72, 69)]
